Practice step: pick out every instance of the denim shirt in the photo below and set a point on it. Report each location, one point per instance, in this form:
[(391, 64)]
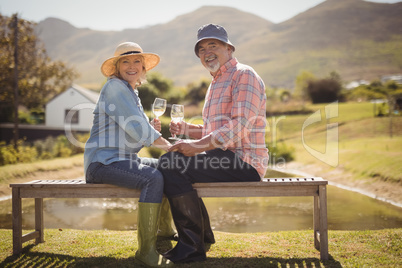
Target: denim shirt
[(120, 127)]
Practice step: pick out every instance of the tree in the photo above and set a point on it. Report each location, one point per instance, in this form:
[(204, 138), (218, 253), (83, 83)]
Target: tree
[(197, 92), (324, 90), (284, 95), (157, 86), (148, 92), (302, 81), (163, 84), (39, 78)]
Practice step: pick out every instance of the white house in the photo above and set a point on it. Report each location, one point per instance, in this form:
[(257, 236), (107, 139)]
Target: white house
[(72, 108), (355, 84), (397, 78)]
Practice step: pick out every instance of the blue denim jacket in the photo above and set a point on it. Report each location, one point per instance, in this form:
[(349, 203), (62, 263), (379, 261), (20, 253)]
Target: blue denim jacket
[(120, 127)]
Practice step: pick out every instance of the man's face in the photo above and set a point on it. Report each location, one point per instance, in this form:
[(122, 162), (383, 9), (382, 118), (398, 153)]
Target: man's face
[(213, 54)]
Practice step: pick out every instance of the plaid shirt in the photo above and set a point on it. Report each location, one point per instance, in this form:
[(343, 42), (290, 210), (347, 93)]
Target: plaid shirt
[(234, 111)]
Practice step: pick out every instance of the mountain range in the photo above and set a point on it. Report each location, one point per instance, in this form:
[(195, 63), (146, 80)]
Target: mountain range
[(355, 38)]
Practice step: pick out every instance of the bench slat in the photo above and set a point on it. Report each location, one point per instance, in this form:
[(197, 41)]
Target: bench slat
[(73, 192), (80, 189), (266, 182), (117, 192), (255, 191)]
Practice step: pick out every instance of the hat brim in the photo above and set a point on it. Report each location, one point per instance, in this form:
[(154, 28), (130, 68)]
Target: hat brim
[(108, 67), (212, 37)]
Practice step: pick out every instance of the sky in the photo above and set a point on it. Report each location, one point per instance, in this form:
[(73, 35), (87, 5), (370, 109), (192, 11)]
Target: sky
[(123, 14)]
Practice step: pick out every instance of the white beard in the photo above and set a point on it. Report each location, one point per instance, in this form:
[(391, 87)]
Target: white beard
[(213, 68)]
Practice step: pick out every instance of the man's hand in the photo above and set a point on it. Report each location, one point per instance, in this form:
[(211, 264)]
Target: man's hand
[(177, 128), (187, 129)]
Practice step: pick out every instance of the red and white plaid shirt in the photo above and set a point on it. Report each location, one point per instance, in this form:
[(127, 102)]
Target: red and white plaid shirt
[(234, 111)]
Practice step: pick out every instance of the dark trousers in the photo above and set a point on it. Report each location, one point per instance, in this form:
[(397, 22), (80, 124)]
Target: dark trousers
[(180, 172)]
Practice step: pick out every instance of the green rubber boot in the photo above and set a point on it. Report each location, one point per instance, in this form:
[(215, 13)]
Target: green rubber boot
[(166, 226), (146, 232)]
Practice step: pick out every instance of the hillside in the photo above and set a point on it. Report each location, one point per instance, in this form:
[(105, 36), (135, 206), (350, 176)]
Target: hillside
[(358, 39)]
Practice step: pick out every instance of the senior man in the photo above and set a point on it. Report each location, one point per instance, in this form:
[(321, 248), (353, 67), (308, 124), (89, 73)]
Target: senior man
[(228, 147)]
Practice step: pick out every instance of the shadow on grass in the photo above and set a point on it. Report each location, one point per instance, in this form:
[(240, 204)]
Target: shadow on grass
[(42, 259), (39, 259)]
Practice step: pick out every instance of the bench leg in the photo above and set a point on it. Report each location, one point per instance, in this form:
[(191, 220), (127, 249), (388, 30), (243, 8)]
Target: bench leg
[(17, 221), (39, 220), (316, 225), (323, 223)]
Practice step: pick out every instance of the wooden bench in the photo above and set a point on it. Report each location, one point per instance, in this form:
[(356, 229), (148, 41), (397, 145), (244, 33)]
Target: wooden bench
[(79, 189)]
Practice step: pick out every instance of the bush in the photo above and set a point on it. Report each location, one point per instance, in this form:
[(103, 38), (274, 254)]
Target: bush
[(8, 154), (165, 127), (362, 93), (197, 92), (155, 152), (324, 90), (48, 148), (81, 138), (27, 154), (147, 93), (23, 154), (281, 152), (45, 147), (61, 148)]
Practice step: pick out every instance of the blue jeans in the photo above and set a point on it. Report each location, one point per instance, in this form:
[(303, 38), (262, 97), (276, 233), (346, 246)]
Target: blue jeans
[(180, 171), (139, 173)]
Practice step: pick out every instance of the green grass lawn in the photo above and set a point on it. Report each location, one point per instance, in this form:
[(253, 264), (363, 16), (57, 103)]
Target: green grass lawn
[(358, 117), (364, 144), (77, 248)]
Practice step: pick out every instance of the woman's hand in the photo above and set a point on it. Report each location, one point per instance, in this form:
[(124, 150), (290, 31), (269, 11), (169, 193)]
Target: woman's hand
[(193, 147), (186, 147), (156, 123)]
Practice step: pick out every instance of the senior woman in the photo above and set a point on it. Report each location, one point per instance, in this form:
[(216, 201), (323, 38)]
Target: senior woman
[(120, 129)]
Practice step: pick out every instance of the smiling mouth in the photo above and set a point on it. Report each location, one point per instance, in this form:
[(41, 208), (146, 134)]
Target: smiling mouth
[(209, 59)]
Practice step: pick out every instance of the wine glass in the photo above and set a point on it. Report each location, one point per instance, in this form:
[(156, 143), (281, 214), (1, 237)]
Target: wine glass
[(177, 114), (159, 107)]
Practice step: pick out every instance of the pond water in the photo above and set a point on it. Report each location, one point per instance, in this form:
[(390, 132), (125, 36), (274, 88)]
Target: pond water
[(347, 210)]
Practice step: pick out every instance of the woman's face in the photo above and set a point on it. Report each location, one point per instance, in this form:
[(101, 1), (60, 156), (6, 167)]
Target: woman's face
[(131, 69)]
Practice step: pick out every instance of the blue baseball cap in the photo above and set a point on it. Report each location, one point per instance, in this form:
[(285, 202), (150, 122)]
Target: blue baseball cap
[(212, 31)]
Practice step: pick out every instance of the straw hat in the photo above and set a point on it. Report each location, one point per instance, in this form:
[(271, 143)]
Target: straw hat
[(127, 49)]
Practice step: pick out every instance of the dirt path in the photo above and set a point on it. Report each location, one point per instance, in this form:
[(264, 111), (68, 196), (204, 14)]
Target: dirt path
[(388, 192)]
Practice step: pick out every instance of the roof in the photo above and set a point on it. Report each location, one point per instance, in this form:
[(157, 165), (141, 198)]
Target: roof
[(89, 94)]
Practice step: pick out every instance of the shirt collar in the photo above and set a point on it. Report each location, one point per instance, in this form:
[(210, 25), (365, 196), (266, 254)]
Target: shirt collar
[(125, 82), (229, 64)]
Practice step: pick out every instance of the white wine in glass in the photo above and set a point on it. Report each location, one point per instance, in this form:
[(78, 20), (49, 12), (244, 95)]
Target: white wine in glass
[(159, 107), (177, 115)]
